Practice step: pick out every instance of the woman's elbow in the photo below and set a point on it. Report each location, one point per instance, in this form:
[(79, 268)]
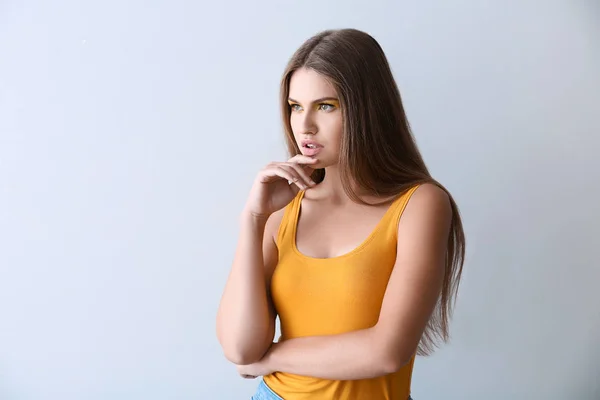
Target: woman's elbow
[(240, 358), (393, 364), (243, 355), (394, 361)]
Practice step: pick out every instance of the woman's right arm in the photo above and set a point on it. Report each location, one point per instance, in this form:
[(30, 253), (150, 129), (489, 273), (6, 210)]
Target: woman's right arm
[(246, 316)]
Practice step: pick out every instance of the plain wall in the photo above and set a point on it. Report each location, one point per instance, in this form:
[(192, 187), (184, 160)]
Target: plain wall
[(130, 133)]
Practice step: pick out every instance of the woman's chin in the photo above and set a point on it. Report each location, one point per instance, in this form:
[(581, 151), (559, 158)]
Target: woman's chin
[(321, 164)]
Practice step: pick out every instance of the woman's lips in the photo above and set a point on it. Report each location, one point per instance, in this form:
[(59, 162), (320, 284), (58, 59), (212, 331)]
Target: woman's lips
[(310, 152), (310, 147)]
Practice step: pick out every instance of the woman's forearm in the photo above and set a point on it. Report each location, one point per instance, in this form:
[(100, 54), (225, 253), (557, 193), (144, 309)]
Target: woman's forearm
[(347, 356), (245, 324)]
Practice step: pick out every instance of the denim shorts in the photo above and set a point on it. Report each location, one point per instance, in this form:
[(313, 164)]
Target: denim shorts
[(266, 393)]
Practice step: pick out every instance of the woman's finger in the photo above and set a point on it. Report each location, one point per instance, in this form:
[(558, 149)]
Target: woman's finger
[(289, 174), (306, 163), (296, 169), (303, 172), (304, 160)]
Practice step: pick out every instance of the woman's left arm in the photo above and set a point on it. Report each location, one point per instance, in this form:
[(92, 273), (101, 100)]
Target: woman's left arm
[(411, 295)]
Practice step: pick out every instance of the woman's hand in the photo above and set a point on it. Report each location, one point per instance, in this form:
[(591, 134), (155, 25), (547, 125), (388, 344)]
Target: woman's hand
[(278, 183), (259, 368), (252, 371)]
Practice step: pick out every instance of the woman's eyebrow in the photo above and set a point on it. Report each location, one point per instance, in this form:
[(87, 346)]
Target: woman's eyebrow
[(315, 101)]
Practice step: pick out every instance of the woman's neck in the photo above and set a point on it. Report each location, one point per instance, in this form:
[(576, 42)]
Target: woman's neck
[(331, 188)]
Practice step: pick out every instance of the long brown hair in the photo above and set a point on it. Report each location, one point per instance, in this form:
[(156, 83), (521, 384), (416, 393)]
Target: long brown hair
[(378, 150)]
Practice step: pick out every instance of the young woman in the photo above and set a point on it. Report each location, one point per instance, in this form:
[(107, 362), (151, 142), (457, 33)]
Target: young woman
[(351, 242)]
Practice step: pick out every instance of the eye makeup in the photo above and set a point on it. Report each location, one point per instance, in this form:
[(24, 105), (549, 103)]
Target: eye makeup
[(326, 104)]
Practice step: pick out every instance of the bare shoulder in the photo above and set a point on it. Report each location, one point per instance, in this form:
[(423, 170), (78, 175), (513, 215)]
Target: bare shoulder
[(430, 195), (428, 205), (273, 223)]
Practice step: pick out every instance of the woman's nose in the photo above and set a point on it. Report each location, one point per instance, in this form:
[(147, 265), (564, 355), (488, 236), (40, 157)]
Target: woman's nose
[(308, 125)]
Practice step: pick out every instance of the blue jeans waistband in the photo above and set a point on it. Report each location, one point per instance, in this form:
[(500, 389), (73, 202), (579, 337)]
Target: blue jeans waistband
[(263, 392)]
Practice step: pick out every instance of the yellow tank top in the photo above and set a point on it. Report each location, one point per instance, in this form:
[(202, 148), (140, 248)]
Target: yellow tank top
[(328, 296)]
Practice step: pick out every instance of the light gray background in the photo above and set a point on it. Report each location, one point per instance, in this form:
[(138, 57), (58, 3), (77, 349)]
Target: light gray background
[(130, 133)]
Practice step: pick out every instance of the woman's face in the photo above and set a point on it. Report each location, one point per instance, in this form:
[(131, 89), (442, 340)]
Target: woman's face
[(316, 118)]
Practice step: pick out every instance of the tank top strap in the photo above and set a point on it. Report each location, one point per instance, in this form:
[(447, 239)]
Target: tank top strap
[(286, 228), (396, 211)]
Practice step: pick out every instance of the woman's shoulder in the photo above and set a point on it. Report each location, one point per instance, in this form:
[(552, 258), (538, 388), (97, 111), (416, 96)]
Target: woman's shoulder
[(430, 192), (428, 201), (275, 220), (422, 192)]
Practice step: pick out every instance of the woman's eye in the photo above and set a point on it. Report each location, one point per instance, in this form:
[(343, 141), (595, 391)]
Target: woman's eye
[(326, 107), (295, 107)]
